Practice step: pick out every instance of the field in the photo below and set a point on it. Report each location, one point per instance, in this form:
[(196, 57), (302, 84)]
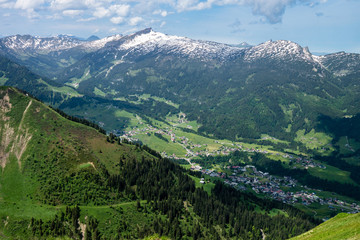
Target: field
[(348, 146), (343, 226), (332, 173), (207, 186), (317, 141), (67, 91)]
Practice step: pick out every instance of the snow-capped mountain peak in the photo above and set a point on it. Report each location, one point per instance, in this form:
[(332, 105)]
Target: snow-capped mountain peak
[(100, 43), (281, 49), (148, 40), (27, 43)]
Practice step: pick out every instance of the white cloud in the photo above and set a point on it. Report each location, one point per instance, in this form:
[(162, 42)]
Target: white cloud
[(135, 21), (32, 14), (28, 4), (72, 12), (117, 20), (120, 10), (162, 24), (113, 30), (185, 5), (64, 4), (101, 12), (271, 9), (162, 13)]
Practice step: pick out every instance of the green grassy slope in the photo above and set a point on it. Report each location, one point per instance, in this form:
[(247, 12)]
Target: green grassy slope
[(48, 162), (13, 74), (343, 226), (59, 178)]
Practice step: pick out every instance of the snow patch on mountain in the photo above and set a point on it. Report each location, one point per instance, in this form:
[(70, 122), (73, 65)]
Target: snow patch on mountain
[(280, 49), (341, 63), (97, 44), (27, 42), (50, 44), (151, 41)]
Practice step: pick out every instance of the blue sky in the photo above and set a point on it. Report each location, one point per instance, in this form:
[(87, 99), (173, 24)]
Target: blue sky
[(322, 25)]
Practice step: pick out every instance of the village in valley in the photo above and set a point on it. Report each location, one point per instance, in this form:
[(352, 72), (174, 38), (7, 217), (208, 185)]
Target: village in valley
[(243, 178), (284, 189)]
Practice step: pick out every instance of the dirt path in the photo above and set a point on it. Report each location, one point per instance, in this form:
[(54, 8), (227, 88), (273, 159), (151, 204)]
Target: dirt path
[(263, 234), (23, 116), (23, 137), (92, 164)]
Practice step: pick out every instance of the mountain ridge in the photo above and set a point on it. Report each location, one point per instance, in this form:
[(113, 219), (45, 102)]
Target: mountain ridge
[(213, 76)]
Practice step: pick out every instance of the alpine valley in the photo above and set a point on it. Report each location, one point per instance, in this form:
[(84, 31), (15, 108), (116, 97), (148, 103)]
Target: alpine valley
[(155, 136)]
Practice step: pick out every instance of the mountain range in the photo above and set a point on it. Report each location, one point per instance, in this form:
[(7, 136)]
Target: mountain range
[(276, 88)]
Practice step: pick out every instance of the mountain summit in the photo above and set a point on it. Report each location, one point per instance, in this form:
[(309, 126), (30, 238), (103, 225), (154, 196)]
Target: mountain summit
[(25, 48)]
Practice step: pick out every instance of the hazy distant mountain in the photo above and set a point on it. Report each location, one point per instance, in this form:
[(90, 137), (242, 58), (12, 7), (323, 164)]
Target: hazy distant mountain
[(92, 38), (242, 45), (47, 56)]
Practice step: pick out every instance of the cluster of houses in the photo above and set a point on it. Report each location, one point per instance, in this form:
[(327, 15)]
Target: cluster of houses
[(248, 177), (306, 163)]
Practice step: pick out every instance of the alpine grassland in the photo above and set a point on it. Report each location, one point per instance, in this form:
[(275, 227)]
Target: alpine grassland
[(342, 226)]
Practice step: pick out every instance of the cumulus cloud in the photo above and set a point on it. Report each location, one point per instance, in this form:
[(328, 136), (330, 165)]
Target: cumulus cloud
[(120, 10), (273, 10), (162, 13), (185, 5), (127, 10), (101, 12), (135, 21), (6, 4), (65, 4), (72, 12), (113, 30), (28, 4), (117, 20)]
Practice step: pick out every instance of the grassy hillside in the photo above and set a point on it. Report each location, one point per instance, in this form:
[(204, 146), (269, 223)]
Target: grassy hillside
[(49, 162), (13, 74), (62, 179), (343, 226)]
